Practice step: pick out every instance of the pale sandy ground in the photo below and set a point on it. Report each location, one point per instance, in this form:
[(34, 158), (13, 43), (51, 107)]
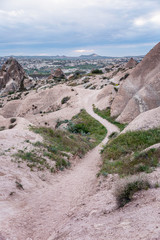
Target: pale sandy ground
[(75, 204), (37, 214)]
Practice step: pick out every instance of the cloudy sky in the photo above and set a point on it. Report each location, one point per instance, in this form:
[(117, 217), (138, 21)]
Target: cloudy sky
[(71, 27)]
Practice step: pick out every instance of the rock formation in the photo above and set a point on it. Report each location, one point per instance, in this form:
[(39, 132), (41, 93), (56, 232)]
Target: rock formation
[(131, 63), (58, 75), (13, 77), (144, 121), (141, 90)]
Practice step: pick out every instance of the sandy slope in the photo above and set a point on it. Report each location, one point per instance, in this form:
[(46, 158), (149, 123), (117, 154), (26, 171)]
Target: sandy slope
[(75, 205), (39, 214)]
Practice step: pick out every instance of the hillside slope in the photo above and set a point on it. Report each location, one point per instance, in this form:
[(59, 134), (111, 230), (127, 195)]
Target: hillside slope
[(140, 91)]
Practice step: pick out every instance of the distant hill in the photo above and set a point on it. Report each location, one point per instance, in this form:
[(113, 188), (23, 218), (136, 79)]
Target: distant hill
[(92, 56), (63, 57)]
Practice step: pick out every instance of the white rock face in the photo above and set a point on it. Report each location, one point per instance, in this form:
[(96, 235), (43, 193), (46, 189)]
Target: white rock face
[(13, 77), (146, 120), (140, 92)]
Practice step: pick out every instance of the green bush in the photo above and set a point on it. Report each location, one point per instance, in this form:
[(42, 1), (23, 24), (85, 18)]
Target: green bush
[(126, 189), (12, 120), (96, 71), (65, 99)]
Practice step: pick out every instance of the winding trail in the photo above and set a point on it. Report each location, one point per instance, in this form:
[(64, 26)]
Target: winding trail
[(41, 212)]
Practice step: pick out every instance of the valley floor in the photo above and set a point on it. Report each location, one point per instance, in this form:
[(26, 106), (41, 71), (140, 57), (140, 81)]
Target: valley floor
[(79, 206)]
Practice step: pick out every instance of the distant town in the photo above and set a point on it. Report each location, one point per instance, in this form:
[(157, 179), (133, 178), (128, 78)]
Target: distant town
[(40, 67)]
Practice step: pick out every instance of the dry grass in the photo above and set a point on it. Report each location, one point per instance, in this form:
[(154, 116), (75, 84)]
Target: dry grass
[(126, 188)]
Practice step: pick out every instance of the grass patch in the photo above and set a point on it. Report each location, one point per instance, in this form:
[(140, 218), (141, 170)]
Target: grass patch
[(57, 141), (123, 155), (126, 189), (83, 134), (106, 114), (34, 160), (84, 124)]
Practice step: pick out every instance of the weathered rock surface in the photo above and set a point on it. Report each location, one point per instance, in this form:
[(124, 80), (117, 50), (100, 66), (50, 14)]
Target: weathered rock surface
[(140, 92), (13, 77), (131, 63), (57, 75), (144, 121), (105, 97)]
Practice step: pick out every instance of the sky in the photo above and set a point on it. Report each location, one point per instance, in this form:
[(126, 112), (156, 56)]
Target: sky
[(78, 27)]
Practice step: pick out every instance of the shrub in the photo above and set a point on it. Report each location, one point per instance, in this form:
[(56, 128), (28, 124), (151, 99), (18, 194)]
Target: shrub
[(113, 135), (2, 128), (123, 154), (125, 76), (59, 122), (12, 120), (12, 126), (96, 71), (126, 189), (65, 99)]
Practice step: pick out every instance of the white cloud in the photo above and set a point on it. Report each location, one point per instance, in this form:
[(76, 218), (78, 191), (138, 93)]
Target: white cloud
[(84, 50), (152, 19), (76, 24), (13, 13)]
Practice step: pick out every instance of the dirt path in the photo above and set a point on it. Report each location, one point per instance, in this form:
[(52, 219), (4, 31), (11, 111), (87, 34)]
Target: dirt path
[(39, 214)]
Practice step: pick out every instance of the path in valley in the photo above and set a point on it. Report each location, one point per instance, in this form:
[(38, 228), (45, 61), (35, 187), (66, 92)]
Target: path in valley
[(40, 213)]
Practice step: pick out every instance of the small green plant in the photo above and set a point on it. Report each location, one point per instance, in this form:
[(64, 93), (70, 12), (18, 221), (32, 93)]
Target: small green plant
[(19, 185), (12, 126), (113, 135), (96, 71), (59, 122), (12, 120), (126, 189), (2, 128), (65, 100), (106, 114), (124, 154), (125, 76)]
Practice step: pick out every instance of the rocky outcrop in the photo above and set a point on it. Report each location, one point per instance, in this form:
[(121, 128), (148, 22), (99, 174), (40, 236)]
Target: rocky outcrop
[(105, 97), (131, 63), (58, 75), (141, 90), (144, 121), (13, 77)]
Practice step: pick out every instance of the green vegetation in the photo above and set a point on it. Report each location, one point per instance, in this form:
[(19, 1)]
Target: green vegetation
[(34, 160), (84, 124), (125, 76), (12, 126), (126, 190), (65, 99), (106, 114), (82, 134), (123, 155), (2, 128), (12, 120), (96, 71)]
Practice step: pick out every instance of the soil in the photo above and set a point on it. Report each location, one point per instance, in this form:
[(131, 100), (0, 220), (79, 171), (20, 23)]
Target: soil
[(76, 205)]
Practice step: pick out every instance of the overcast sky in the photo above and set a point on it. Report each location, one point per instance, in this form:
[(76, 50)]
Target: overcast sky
[(75, 27)]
